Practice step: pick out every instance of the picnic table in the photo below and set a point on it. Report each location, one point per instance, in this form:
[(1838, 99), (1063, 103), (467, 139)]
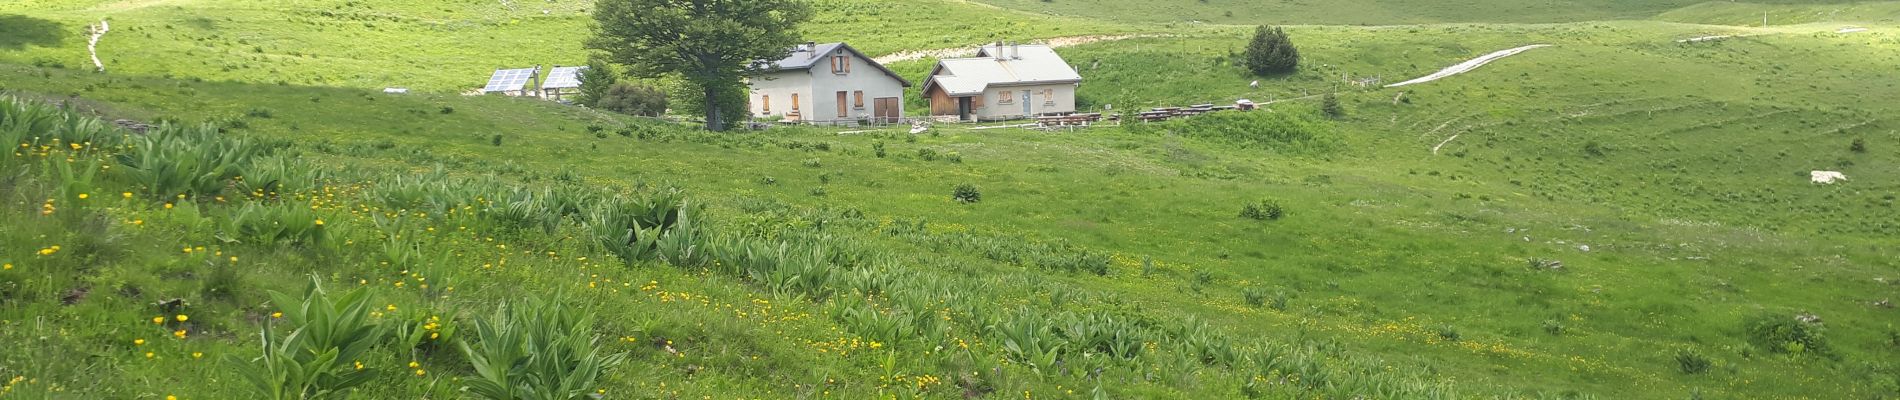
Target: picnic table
[(1068, 120)]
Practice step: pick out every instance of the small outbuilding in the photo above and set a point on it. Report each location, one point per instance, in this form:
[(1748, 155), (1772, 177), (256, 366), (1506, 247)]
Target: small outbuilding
[(850, 88), (1003, 81)]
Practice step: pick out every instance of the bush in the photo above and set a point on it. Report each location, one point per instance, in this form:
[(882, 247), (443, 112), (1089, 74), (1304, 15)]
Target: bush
[(1449, 333), (878, 147), (1859, 146), (633, 99), (1690, 362), (1553, 327), (1254, 297), (966, 193), (316, 359), (1785, 334), (1264, 210), (496, 140), (1594, 149), (1271, 52), (1329, 104), (598, 79), (540, 350)]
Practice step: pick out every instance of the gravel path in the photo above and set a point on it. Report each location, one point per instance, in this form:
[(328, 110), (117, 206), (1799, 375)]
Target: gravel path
[(1467, 66)]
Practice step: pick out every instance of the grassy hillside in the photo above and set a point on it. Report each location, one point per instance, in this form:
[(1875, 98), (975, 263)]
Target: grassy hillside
[(1418, 256), (1371, 12), (427, 45)]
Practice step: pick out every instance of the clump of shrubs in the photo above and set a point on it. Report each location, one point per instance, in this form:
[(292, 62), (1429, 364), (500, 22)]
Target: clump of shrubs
[(1787, 334), (1690, 362), (1554, 327), (1263, 210), (966, 193), (1859, 146)]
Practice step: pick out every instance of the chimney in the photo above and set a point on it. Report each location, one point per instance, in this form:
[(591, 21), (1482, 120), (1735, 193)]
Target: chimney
[(811, 47), (998, 53), (1016, 51)]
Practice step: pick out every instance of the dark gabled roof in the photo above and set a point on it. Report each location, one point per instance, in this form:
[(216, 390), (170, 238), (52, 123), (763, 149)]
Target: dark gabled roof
[(804, 59)]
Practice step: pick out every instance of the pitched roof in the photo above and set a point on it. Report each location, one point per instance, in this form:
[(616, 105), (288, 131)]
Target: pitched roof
[(803, 58), (1020, 65)]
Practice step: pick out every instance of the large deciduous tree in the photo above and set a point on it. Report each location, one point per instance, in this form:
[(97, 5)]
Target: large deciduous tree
[(1271, 52), (713, 45)]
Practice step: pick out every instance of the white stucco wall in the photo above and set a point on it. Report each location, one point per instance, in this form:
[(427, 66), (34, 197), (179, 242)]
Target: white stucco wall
[(1061, 101), (779, 87), (818, 88), (863, 77)]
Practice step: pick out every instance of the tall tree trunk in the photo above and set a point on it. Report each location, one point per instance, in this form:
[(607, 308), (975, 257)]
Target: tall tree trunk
[(714, 122)]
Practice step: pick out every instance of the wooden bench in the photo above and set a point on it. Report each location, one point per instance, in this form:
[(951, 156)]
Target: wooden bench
[(1068, 120)]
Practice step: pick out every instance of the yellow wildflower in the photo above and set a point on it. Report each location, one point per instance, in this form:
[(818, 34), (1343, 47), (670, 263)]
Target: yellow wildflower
[(183, 317), (279, 314), (83, 196), (138, 342), (179, 333), (197, 354)]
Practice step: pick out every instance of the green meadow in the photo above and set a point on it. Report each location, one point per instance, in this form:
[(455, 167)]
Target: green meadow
[(1620, 215)]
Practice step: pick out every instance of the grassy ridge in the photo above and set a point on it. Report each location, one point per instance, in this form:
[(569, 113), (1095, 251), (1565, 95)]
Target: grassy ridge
[(433, 46), (1367, 12)]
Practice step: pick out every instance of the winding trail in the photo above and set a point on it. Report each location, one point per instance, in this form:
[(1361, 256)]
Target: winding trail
[(92, 45), (1467, 66)]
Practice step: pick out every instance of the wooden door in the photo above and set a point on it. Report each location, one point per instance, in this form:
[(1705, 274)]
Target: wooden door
[(843, 109), (886, 109)]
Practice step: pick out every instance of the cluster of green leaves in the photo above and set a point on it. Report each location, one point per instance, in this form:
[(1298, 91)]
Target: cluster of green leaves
[(536, 351), (320, 357)]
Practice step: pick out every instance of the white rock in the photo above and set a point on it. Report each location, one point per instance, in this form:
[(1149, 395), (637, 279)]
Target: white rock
[(1827, 177)]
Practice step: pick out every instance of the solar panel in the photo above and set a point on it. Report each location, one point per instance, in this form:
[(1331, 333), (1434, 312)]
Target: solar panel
[(564, 78), (508, 80)]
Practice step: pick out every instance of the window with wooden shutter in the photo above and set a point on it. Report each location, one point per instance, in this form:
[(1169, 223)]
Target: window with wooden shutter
[(794, 102), (766, 100), (841, 110), (840, 65), (1049, 97), (858, 103)]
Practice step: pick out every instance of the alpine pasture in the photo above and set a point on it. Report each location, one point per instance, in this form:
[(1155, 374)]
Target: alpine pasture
[(1623, 214)]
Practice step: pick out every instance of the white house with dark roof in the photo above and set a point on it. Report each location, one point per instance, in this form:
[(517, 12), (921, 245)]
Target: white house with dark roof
[(829, 82), (1002, 82)]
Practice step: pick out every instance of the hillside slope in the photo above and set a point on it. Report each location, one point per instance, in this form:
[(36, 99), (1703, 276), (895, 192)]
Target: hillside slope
[(1617, 216)]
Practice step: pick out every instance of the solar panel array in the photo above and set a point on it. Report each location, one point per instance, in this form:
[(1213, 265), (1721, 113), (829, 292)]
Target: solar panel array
[(508, 80), (564, 78)]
